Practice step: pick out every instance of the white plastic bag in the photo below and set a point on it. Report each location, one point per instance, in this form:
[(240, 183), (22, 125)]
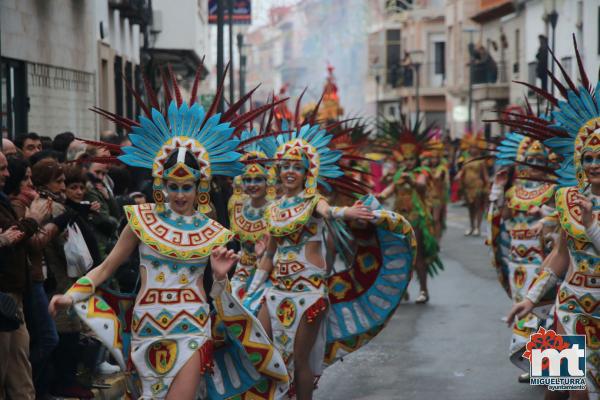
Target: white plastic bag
[(79, 259)]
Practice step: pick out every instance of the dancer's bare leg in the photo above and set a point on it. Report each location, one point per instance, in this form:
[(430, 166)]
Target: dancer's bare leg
[(421, 268), (305, 340), (471, 208), (480, 208), (265, 320), (185, 384)]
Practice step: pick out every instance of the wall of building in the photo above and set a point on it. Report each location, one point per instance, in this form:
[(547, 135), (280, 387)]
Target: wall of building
[(54, 40)]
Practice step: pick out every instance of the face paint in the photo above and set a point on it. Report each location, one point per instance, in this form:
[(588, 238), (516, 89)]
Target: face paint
[(184, 188), (257, 180), (292, 167), (589, 159), (536, 161)]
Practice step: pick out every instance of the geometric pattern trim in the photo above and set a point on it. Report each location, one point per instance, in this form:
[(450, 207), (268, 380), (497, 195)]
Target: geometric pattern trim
[(188, 241)]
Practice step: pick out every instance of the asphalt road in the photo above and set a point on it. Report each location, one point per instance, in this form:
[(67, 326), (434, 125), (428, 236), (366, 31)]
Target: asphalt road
[(454, 347)]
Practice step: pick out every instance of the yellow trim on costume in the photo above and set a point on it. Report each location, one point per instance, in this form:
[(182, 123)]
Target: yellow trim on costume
[(570, 214), (171, 241), (246, 230), (283, 222), (521, 199)]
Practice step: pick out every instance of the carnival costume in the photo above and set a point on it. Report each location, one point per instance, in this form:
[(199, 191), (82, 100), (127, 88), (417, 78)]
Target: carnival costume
[(518, 249), (171, 320), (438, 184), (409, 143), (573, 133), (359, 299), (473, 185), (248, 222)]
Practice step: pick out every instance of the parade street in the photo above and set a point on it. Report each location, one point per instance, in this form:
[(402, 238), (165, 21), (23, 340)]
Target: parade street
[(455, 347)]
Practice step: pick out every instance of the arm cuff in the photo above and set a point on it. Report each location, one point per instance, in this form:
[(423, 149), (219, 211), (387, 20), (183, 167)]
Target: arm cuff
[(542, 283), (218, 287), (81, 290)]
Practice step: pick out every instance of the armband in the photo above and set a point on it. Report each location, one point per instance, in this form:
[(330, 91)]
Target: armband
[(81, 290), (337, 212), (542, 283), (218, 287)]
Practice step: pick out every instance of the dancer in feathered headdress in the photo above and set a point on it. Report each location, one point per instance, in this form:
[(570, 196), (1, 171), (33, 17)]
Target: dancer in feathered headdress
[(306, 309), (246, 212), (439, 183), (474, 179), (172, 350), (520, 229), (409, 185), (575, 137)]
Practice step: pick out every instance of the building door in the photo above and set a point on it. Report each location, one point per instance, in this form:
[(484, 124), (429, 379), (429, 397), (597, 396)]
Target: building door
[(14, 103)]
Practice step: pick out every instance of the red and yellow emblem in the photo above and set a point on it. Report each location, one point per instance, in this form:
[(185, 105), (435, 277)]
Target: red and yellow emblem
[(161, 356), (286, 312)]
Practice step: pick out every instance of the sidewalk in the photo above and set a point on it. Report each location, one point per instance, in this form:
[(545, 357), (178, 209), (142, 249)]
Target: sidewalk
[(115, 390)]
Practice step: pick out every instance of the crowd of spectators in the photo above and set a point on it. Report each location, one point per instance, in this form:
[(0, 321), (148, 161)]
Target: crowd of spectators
[(50, 191)]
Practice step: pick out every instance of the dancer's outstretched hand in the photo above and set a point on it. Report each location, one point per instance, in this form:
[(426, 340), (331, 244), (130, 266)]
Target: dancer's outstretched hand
[(221, 261), (59, 302), (520, 310), (359, 212)]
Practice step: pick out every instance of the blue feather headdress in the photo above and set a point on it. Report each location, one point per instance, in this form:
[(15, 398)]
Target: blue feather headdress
[(304, 138), (576, 126), (183, 129)]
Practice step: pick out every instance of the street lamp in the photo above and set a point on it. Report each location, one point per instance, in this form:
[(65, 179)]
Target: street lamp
[(417, 57), (552, 19)]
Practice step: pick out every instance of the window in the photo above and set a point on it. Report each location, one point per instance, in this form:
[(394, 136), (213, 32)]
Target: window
[(440, 58), (14, 103), (532, 75), (392, 45)]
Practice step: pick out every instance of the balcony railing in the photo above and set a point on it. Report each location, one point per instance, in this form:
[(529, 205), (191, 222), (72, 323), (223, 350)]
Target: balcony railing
[(489, 72), (138, 11), (431, 75)]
